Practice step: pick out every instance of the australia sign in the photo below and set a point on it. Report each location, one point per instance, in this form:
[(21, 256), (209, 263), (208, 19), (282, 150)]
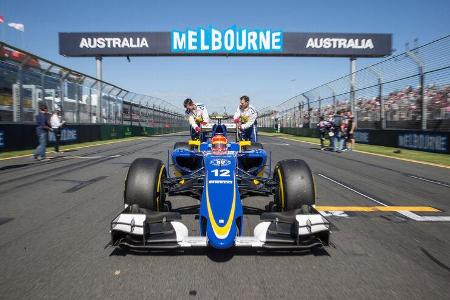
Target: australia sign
[(229, 42)]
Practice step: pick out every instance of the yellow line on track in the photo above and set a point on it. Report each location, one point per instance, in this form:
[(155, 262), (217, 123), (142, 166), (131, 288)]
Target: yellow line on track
[(377, 208)]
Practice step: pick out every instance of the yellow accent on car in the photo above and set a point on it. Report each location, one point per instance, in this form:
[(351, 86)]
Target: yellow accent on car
[(281, 189), (221, 232), (244, 143), (193, 143), (158, 187)]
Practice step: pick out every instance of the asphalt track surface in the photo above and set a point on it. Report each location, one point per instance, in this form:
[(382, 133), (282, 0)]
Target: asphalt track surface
[(54, 223)]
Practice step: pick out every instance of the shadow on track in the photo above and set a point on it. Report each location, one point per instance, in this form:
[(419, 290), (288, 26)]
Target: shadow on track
[(220, 256)]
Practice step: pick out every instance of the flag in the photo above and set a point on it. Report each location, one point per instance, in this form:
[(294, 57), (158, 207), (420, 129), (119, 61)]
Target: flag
[(2, 20), (17, 26)]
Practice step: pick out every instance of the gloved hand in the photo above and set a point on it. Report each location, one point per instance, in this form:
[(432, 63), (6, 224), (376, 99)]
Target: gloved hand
[(236, 120), (197, 129)]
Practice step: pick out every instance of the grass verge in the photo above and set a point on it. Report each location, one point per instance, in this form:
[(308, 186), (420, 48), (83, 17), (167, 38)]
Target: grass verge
[(405, 154), (22, 153)]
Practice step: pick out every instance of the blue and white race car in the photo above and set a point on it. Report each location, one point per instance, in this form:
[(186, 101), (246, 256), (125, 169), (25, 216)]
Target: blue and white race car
[(220, 174)]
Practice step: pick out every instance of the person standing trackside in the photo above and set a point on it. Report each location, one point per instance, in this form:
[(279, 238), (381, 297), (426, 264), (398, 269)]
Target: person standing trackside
[(55, 122), (42, 129), (351, 127), (324, 127), (245, 119), (338, 129)]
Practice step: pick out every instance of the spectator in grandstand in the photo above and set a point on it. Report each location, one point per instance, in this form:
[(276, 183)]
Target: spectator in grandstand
[(245, 119), (197, 116), (324, 128), (57, 124), (351, 127), (42, 129)]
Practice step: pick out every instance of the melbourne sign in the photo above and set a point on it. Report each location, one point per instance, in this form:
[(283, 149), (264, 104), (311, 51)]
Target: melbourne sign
[(229, 42), (424, 141)]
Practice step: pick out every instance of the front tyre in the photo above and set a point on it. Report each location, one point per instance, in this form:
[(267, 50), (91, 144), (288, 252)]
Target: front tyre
[(296, 189), (143, 185)]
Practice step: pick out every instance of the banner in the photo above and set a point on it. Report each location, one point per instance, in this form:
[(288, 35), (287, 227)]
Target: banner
[(230, 42)]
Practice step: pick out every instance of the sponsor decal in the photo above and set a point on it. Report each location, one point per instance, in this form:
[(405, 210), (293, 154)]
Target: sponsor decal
[(67, 135), (113, 42), (339, 43), (362, 137), (423, 141), (211, 40), (220, 181), (220, 162), (2, 139)]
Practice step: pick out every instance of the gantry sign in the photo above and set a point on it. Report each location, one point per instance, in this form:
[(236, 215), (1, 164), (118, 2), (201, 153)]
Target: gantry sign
[(230, 42)]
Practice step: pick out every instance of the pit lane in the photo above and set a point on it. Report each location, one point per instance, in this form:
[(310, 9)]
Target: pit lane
[(54, 222)]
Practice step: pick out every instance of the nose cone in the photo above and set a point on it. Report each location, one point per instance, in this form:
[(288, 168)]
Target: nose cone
[(221, 242)]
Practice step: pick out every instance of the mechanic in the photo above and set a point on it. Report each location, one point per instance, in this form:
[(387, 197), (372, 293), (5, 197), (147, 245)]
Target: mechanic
[(245, 119), (197, 116)]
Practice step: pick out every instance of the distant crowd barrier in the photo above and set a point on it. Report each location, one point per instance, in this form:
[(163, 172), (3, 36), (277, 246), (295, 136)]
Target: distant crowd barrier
[(429, 141), (15, 136)]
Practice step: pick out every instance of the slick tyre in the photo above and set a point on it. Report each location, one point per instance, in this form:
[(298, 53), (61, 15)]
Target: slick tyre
[(143, 185), (296, 188)]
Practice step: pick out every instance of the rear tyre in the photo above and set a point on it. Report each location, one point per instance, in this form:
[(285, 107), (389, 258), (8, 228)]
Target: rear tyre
[(296, 189), (143, 185)]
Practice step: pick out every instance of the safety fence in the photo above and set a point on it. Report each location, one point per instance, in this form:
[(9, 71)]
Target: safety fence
[(21, 136), (410, 91), (27, 80)]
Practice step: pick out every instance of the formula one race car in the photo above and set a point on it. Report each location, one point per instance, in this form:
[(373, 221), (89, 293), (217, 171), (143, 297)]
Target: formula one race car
[(220, 174)]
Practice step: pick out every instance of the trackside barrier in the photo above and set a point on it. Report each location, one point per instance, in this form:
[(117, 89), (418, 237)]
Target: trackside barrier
[(429, 141), (15, 136)]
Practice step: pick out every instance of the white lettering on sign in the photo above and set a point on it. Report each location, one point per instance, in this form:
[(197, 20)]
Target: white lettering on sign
[(339, 43), (101, 42), (423, 141)]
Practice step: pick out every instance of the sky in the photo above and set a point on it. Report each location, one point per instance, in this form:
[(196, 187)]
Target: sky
[(218, 82)]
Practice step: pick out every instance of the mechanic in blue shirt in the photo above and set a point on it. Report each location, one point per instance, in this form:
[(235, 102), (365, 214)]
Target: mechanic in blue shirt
[(245, 119), (42, 129)]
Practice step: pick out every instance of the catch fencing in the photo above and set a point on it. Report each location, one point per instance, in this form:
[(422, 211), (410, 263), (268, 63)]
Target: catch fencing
[(408, 91), (27, 80)]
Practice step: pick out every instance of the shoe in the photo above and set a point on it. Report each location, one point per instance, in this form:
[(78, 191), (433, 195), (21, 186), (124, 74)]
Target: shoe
[(43, 159), (339, 151)]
